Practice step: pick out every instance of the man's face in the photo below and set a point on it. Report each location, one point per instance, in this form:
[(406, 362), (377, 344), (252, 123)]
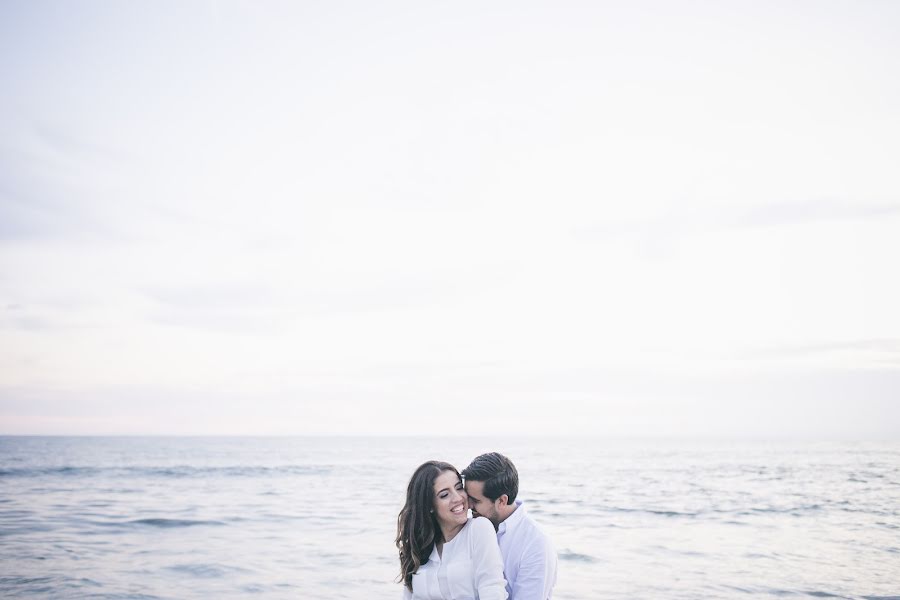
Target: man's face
[(481, 505)]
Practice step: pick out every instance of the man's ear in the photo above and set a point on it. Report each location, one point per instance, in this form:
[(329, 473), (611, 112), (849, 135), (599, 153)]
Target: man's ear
[(504, 500)]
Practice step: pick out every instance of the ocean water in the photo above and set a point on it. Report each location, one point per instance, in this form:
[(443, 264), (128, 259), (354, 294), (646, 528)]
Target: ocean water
[(192, 518)]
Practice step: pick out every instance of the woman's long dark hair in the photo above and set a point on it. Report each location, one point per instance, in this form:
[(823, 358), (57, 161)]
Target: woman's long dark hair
[(417, 526)]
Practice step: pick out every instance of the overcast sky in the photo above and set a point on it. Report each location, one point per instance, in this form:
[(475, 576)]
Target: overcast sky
[(643, 218)]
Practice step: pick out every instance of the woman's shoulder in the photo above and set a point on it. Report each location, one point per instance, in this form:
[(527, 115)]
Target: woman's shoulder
[(481, 536), (481, 526)]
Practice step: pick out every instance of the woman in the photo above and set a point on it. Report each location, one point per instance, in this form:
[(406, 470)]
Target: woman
[(443, 553)]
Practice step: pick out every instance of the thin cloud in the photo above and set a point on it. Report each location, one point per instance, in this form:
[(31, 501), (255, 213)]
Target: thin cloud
[(27, 217), (689, 221), (36, 203), (63, 144), (26, 323), (224, 321), (812, 211), (210, 296), (883, 346), (245, 307), (57, 184), (43, 216), (41, 317), (214, 306)]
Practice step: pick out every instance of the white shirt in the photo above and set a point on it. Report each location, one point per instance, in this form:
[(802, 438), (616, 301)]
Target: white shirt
[(470, 568), (529, 558)]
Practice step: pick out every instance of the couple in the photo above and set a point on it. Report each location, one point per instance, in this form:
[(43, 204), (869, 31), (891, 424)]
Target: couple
[(444, 554)]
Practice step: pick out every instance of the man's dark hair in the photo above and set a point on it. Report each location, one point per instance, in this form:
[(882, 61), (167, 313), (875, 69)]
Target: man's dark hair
[(498, 474)]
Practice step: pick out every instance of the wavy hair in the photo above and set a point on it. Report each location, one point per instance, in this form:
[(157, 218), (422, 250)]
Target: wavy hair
[(417, 526)]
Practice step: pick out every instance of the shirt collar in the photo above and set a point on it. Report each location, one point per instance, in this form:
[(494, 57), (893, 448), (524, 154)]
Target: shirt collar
[(513, 519)]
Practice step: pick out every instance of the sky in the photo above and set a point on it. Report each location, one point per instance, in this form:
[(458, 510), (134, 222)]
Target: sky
[(432, 218)]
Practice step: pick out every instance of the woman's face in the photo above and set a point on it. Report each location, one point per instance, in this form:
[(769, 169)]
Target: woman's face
[(450, 500)]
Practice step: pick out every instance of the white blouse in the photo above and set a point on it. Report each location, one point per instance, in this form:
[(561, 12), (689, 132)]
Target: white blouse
[(471, 568)]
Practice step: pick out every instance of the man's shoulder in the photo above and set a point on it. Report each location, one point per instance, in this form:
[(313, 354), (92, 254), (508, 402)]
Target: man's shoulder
[(535, 531), (530, 537)]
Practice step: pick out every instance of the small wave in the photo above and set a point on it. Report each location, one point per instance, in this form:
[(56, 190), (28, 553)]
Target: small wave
[(568, 555), (25, 580), (794, 510), (37, 471), (738, 523), (169, 523), (870, 511), (651, 511), (46, 584), (205, 570), (671, 513), (181, 471), (199, 570), (121, 596), (737, 588)]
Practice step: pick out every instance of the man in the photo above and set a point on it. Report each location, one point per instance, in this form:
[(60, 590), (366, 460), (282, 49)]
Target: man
[(529, 559)]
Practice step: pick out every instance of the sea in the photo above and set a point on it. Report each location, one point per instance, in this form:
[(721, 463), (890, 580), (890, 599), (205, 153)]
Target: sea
[(315, 517)]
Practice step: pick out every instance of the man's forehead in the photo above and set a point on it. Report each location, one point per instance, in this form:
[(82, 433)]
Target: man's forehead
[(475, 486)]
